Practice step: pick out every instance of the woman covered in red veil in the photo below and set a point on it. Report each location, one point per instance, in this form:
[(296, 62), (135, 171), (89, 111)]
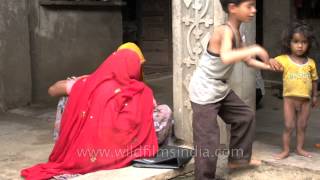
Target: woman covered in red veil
[(107, 122)]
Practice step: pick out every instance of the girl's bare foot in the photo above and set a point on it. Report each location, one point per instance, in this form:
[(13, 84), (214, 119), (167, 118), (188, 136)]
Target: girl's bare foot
[(252, 163), (282, 155), (304, 153)]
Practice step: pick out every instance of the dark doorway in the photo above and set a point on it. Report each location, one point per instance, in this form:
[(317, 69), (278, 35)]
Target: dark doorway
[(259, 22), (148, 23), (307, 9)]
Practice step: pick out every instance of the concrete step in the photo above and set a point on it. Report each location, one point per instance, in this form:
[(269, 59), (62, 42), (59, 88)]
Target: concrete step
[(132, 173)]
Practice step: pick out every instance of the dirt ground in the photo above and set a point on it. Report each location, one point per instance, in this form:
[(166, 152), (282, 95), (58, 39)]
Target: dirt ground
[(26, 139)]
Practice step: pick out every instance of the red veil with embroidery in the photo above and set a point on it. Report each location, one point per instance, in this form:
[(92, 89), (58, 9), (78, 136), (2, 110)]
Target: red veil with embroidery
[(107, 122)]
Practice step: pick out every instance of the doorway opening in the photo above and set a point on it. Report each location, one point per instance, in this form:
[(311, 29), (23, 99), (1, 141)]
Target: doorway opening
[(259, 23), (148, 23)]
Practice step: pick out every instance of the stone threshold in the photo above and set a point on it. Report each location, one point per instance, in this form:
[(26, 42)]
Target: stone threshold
[(133, 173)]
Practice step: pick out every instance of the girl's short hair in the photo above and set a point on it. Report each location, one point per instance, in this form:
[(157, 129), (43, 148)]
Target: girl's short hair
[(225, 3), (297, 27)]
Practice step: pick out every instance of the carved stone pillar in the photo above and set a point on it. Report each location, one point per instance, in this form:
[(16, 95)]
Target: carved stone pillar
[(193, 21)]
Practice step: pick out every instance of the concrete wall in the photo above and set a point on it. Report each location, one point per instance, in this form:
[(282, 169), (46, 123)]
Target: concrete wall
[(70, 40), (315, 53), (15, 75), (276, 16), (42, 44)]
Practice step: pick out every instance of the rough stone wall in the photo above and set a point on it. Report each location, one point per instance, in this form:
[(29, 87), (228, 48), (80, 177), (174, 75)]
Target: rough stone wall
[(15, 76)]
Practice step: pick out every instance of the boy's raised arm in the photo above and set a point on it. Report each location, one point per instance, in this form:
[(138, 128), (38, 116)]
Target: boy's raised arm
[(275, 65), (257, 64), (272, 65), (229, 55)]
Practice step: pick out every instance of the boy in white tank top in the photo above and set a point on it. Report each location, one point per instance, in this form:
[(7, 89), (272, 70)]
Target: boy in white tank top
[(211, 96)]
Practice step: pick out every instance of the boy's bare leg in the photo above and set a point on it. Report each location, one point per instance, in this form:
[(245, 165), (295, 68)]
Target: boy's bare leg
[(58, 89), (302, 120), (289, 125)]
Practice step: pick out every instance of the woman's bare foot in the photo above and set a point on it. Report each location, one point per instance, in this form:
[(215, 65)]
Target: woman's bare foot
[(317, 145), (252, 163), (304, 153), (282, 155)]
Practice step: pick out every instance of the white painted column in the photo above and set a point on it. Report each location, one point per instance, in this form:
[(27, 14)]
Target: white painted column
[(192, 23)]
